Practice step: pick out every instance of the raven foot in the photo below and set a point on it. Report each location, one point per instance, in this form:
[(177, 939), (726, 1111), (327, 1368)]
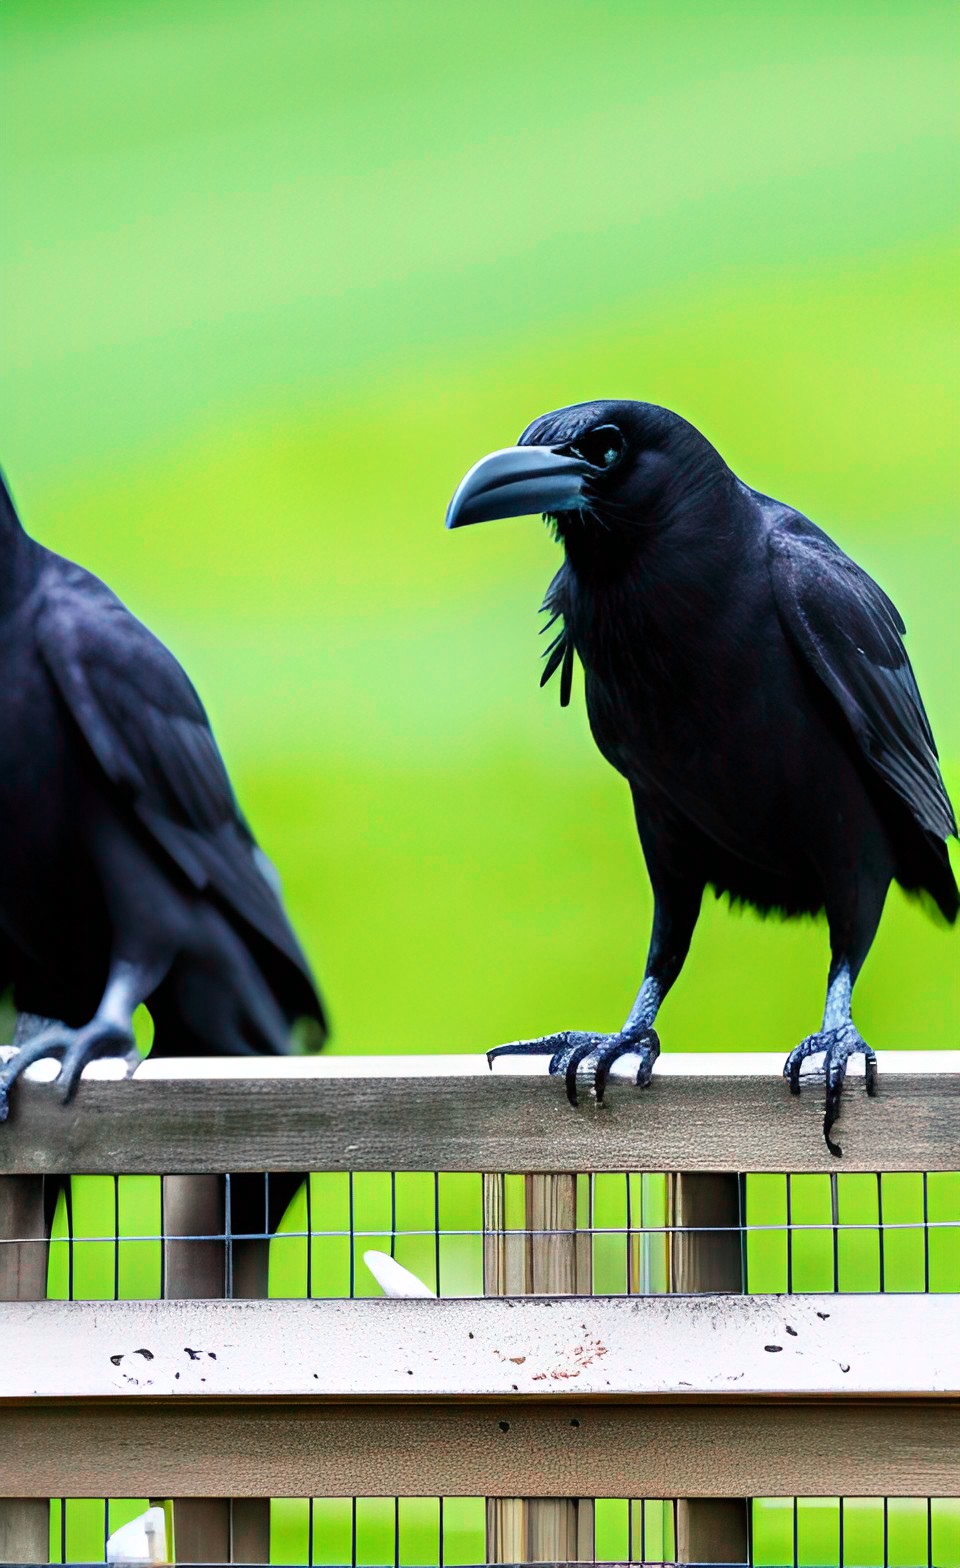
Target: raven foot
[(73, 1048), (837, 1046), (598, 1052)]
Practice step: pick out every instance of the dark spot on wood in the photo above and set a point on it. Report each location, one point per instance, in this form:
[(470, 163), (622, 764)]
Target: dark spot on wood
[(146, 1354), (504, 1426), (773, 1348), (117, 1359), (791, 1331), (574, 1422)]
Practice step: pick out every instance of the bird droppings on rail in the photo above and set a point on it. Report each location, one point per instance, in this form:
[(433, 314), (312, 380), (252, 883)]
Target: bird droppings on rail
[(773, 1348), (193, 1354), (504, 1426), (791, 1331), (146, 1354), (823, 1315), (843, 1367), (116, 1360)]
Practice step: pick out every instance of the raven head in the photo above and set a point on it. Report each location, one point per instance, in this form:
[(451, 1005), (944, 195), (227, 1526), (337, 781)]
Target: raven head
[(595, 468)]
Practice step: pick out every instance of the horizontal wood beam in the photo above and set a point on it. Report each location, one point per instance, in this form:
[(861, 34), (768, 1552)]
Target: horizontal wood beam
[(190, 1449), (701, 1113), (655, 1347)]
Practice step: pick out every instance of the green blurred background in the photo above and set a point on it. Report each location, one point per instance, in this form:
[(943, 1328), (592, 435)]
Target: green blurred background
[(274, 275)]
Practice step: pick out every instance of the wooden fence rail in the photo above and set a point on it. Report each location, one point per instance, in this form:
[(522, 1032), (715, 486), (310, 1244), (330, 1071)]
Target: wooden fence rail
[(540, 1405), (722, 1113)]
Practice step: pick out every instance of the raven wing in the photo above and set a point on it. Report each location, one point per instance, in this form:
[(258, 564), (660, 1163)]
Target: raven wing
[(147, 728), (850, 634)]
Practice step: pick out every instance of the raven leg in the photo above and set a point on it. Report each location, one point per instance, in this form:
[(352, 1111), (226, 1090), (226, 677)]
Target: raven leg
[(675, 911), (838, 1037), (109, 1033)]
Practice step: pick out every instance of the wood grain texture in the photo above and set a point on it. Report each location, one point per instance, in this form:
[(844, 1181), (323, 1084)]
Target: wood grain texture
[(24, 1529), (554, 1259), (185, 1449), (24, 1521), (717, 1347), (732, 1115), (212, 1529), (717, 1529), (713, 1530), (706, 1252)]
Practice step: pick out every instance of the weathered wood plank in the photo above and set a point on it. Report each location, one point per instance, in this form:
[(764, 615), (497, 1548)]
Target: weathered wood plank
[(707, 1255), (555, 1260), (24, 1521), (717, 1347), (701, 1113), (193, 1448)]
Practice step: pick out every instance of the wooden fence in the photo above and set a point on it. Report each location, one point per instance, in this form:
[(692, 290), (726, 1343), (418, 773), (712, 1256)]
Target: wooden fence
[(705, 1395)]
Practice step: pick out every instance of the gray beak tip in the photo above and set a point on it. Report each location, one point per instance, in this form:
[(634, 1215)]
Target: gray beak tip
[(518, 482)]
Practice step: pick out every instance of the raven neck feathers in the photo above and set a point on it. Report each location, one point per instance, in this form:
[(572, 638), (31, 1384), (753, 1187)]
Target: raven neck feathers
[(19, 554)]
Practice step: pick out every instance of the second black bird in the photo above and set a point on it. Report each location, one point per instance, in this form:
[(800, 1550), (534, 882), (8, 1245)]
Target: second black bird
[(129, 873), (749, 681)]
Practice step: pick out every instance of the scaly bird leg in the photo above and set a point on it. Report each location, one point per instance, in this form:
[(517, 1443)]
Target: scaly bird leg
[(838, 1039), (573, 1048), (109, 1033), (585, 1058)]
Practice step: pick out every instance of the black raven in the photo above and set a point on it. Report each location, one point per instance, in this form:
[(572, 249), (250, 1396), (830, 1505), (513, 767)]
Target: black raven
[(749, 681), (129, 873)]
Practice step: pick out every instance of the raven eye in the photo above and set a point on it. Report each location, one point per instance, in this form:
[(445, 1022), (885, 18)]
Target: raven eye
[(601, 447)]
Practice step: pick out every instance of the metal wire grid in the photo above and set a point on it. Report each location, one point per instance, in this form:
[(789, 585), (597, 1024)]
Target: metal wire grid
[(834, 1232), (406, 1532)]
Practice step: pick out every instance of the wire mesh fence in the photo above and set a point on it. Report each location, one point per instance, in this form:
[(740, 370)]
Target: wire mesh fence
[(438, 1532), (856, 1232)]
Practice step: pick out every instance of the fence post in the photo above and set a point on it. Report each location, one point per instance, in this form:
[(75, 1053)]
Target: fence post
[(537, 1529), (215, 1529), (24, 1521), (709, 1530)]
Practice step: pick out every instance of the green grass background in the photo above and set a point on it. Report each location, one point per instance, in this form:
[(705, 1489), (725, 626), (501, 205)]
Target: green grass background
[(273, 276)]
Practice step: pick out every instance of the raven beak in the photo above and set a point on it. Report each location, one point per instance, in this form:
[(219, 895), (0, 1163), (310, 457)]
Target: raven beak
[(517, 482)]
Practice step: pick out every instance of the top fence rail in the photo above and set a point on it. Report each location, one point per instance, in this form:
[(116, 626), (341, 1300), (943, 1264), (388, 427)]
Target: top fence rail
[(729, 1113)]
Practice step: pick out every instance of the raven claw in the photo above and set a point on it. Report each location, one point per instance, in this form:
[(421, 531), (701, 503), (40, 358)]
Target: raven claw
[(73, 1048), (837, 1046), (572, 1047)]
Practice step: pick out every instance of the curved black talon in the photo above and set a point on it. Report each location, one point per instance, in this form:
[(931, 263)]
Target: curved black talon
[(52, 1042), (544, 1045), (569, 1049), (646, 1046), (74, 1048), (837, 1046)]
